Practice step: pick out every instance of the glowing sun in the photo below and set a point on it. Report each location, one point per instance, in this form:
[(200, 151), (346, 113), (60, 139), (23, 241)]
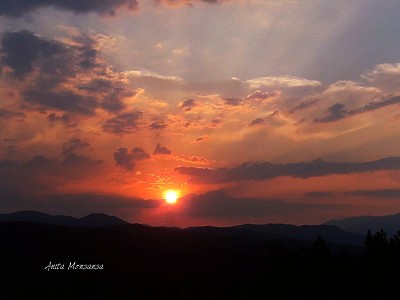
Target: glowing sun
[(171, 196)]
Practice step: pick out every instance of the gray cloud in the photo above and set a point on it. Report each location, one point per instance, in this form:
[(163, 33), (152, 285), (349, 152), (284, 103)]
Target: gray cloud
[(61, 74), (64, 100), (41, 175), (160, 150), (188, 104), (17, 8), (10, 114), (335, 113), (219, 204), (261, 171), (338, 111), (123, 123), (20, 50), (304, 105), (318, 194), (385, 193), (158, 125), (233, 101), (72, 145), (258, 121), (127, 159)]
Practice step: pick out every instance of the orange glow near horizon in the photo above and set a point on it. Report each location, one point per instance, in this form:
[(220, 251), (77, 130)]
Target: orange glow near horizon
[(171, 196)]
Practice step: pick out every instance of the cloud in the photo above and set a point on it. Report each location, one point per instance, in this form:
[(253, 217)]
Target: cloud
[(18, 8), (68, 76), (258, 94), (160, 150), (261, 171), (188, 104), (338, 111), (72, 145), (63, 100), (200, 139), (281, 81), (233, 101), (127, 160), (123, 123), (192, 159), (304, 105), (384, 193), (158, 126), (220, 205), (335, 113), (318, 194), (10, 114), (63, 118), (258, 121), (14, 52), (187, 2), (40, 175)]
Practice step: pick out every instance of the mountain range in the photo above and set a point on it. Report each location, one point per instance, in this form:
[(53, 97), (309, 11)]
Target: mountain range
[(92, 220), (361, 224)]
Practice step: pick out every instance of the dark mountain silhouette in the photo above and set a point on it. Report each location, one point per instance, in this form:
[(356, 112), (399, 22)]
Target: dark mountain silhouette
[(92, 220), (360, 225), (331, 233), (139, 261), (151, 262)]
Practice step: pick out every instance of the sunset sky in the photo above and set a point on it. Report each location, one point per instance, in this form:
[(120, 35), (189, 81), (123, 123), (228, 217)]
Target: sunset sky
[(254, 111)]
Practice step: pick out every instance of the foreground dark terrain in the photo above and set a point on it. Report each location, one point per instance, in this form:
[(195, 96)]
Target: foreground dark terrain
[(198, 263)]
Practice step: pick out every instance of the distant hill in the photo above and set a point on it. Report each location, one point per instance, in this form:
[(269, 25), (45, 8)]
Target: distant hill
[(92, 220), (360, 225), (330, 233)]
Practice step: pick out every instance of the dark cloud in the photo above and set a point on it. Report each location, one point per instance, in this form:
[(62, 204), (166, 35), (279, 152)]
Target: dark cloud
[(376, 105), (72, 145), (53, 117), (318, 194), (188, 104), (158, 125), (11, 150), (127, 159), (258, 94), (385, 193), (233, 101), (335, 113), (258, 121), (123, 123), (72, 158), (160, 150), (219, 204), (112, 92), (304, 105), (20, 50), (187, 2), (338, 111), (61, 74), (17, 8), (10, 114), (40, 175), (78, 204), (201, 139), (261, 171), (67, 119), (64, 100)]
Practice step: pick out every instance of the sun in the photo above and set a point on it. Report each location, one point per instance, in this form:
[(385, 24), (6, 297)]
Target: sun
[(171, 196)]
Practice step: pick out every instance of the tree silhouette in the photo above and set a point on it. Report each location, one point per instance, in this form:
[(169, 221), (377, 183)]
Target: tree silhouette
[(320, 249), (376, 244)]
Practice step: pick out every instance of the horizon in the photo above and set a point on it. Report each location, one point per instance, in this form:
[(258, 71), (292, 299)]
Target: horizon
[(187, 113), (77, 217)]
